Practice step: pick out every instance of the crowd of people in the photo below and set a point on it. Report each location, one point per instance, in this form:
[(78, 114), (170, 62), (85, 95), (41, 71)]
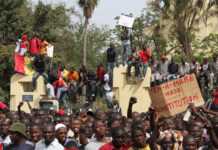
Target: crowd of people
[(88, 129), (206, 72), (108, 130)]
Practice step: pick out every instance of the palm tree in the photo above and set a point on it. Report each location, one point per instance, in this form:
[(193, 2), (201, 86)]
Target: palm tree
[(183, 17), (88, 7)]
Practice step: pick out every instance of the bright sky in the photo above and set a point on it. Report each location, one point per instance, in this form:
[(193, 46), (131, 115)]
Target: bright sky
[(107, 10)]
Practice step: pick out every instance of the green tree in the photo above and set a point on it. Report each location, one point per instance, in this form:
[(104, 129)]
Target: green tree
[(88, 7), (50, 22), (182, 19), (15, 17)]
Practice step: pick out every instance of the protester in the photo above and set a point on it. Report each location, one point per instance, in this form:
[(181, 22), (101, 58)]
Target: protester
[(133, 61), (144, 56), (35, 44), (126, 43), (111, 58), (49, 142), (19, 138)]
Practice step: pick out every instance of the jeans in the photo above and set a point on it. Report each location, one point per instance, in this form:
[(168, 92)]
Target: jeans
[(36, 76), (60, 92), (126, 52), (110, 67), (144, 69), (51, 91)]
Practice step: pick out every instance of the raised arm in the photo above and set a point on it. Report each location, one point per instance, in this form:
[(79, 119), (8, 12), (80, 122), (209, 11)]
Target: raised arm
[(132, 101)]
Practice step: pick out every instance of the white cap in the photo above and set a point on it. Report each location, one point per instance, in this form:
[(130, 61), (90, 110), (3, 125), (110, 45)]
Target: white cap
[(59, 125)]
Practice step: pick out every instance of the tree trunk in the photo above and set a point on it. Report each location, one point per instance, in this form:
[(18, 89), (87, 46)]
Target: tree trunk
[(85, 42), (85, 51), (187, 49)]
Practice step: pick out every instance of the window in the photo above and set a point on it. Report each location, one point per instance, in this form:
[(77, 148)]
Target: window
[(27, 86)]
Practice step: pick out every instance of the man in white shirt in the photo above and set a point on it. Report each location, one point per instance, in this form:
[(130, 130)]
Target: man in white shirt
[(100, 136), (4, 132), (184, 68), (49, 142)]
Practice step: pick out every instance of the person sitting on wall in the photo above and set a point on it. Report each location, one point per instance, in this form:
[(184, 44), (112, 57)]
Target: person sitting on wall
[(133, 61), (145, 55), (39, 66)]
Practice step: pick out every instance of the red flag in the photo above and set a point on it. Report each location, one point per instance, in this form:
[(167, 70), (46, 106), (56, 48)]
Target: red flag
[(3, 106), (19, 63)]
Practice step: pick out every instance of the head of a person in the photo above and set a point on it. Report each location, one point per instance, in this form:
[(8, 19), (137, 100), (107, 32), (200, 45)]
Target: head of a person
[(100, 129), (66, 120), (49, 133), (24, 37), (215, 123), (116, 124), (196, 132), (17, 132), (189, 143), (144, 48), (87, 130), (127, 136), (35, 133), (61, 132), (136, 115), (2, 115), (118, 137), (167, 143), (112, 45), (205, 61), (133, 49), (183, 61), (36, 120), (100, 115), (75, 125), (138, 137), (4, 127), (163, 58), (146, 124)]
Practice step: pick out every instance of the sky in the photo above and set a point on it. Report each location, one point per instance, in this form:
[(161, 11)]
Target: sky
[(107, 10)]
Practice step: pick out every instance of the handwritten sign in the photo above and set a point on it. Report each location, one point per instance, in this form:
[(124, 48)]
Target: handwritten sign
[(174, 97)]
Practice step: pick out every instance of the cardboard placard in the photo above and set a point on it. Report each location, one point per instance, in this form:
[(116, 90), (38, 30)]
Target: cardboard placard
[(126, 21), (175, 96)]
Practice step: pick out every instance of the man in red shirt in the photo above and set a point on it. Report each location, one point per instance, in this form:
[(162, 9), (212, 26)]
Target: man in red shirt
[(117, 142), (214, 105), (144, 56), (100, 73), (35, 45)]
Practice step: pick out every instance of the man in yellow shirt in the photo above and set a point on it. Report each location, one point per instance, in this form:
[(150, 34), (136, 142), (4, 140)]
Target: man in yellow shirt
[(139, 140)]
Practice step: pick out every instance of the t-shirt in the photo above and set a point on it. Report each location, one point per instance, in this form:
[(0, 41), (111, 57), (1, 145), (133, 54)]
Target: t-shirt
[(55, 145), (100, 73), (35, 46), (111, 55), (110, 146), (95, 145), (144, 56), (215, 101), (24, 146), (145, 148), (73, 76)]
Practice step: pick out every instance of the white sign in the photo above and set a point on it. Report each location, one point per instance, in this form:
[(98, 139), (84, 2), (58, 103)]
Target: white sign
[(126, 21), (50, 50)]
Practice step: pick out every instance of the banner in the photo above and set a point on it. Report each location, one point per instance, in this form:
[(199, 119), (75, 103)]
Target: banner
[(175, 96), (19, 63), (50, 50), (126, 21)]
